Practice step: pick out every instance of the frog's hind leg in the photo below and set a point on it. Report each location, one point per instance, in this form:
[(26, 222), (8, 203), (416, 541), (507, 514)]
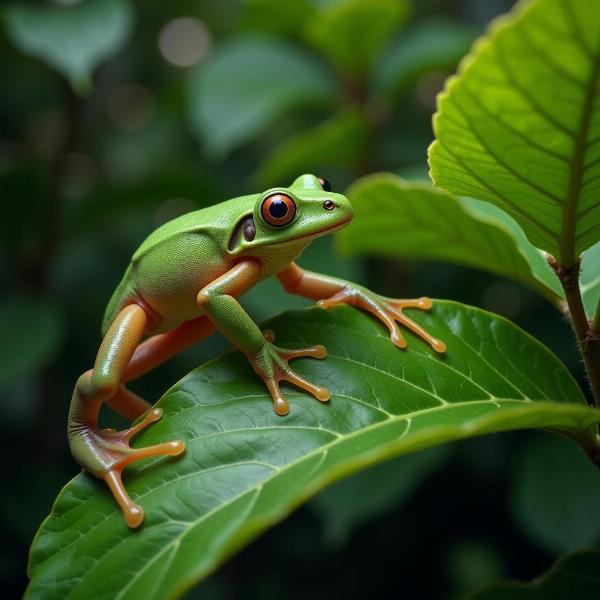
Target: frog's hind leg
[(128, 404), (105, 453), (150, 354), (160, 348)]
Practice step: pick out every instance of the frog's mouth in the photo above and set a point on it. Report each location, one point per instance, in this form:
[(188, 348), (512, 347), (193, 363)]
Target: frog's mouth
[(323, 231)]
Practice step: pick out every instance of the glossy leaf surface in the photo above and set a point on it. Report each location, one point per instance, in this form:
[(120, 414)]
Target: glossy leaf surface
[(397, 218), (520, 125), (75, 38), (230, 101), (246, 469)]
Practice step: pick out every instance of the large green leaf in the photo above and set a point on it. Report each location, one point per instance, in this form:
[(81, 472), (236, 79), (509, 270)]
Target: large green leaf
[(230, 100), (397, 218), (337, 141), (245, 468), (575, 576), (520, 124), (351, 32), (75, 38)]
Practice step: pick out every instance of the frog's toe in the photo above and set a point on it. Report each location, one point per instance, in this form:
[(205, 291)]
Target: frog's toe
[(317, 351), (105, 453), (320, 393)]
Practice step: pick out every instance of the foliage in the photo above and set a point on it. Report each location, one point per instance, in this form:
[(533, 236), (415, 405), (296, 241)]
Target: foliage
[(519, 127), (75, 39), (245, 468), (195, 104)]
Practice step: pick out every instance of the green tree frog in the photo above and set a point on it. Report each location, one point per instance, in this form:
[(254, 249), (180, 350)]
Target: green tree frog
[(183, 283)]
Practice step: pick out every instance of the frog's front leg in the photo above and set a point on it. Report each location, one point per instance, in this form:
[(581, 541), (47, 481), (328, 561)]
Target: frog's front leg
[(104, 452), (218, 301), (330, 291)]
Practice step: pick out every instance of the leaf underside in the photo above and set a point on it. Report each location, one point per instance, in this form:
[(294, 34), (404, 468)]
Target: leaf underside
[(520, 124), (246, 469)]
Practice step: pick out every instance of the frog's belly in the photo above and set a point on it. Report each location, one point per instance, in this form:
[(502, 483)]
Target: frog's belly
[(170, 285)]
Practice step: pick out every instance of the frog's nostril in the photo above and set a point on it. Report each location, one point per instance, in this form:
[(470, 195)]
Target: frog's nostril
[(328, 205)]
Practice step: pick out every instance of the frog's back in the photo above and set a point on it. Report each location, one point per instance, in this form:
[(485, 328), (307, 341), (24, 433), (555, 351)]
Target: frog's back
[(183, 253), (210, 219)]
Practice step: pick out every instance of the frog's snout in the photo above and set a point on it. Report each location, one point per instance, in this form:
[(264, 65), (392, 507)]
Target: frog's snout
[(342, 206)]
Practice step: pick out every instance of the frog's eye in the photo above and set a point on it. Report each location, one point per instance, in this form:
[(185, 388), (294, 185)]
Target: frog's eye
[(325, 184), (278, 210)]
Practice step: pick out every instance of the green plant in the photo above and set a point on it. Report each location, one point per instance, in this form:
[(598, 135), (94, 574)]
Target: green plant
[(516, 154)]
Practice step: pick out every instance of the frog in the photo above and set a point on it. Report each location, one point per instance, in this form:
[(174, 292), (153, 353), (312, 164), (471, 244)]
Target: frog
[(183, 283)]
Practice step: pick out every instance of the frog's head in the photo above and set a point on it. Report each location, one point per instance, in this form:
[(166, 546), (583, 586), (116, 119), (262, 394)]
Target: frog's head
[(290, 217)]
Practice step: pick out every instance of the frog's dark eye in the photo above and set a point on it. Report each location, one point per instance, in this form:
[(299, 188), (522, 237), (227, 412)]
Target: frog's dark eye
[(278, 210), (325, 184)]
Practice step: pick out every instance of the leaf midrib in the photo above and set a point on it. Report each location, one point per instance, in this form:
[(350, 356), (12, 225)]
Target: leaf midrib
[(568, 237)]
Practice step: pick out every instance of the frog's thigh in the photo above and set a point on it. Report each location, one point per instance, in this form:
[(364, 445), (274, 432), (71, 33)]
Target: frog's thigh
[(160, 348), (102, 382)]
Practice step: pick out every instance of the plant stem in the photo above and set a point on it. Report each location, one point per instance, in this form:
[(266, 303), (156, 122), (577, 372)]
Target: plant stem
[(587, 335)]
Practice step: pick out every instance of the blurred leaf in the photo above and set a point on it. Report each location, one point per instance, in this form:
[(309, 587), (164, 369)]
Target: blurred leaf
[(590, 279), (518, 126), (282, 18), (249, 82), (575, 576), (109, 202), (556, 494), (31, 331), (246, 468), (352, 32), (397, 218), (338, 141), (74, 38), (432, 44), (472, 564), (350, 503)]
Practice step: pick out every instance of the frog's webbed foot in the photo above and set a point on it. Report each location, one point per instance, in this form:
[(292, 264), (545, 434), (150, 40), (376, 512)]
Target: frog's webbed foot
[(107, 452), (388, 311), (271, 363)]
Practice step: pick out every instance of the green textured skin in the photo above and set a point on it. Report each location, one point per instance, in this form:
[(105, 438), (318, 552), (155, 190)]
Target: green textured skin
[(188, 253)]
